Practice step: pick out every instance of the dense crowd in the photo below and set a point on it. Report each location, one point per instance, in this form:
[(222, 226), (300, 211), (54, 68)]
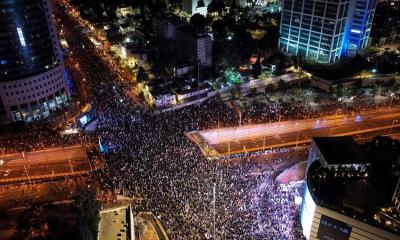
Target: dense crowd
[(155, 163)]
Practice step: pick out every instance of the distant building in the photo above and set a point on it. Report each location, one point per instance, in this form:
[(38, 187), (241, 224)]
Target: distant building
[(325, 32), (346, 196), (251, 3), (192, 7), (361, 17), (32, 75), (195, 46), (164, 26), (124, 11)]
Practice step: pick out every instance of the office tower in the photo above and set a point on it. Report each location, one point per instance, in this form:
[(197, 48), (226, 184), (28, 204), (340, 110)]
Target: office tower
[(32, 75), (192, 7), (323, 31), (363, 12)]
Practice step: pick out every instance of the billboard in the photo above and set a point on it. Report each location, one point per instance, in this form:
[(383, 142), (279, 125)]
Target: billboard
[(332, 229)]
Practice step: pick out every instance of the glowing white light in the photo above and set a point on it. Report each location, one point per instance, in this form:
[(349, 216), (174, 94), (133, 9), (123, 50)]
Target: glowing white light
[(21, 37), (355, 31), (307, 213)]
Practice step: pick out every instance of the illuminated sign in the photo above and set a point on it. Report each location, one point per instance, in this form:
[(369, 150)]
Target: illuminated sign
[(332, 229), (84, 120)]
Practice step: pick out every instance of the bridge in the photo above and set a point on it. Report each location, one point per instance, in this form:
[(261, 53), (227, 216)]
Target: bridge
[(48, 163), (249, 138)]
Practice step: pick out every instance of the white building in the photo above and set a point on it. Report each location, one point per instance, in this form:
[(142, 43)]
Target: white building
[(124, 11), (192, 7)]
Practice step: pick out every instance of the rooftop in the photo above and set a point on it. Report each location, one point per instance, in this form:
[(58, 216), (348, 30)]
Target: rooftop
[(357, 193), (340, 150)]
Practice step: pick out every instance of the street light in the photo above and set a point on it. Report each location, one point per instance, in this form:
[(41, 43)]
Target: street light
[(391, 100), (393, 126)]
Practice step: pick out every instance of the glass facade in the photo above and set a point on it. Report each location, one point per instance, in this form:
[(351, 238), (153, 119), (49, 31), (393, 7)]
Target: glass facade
[(26, 47), (361, 23), (319, 30), (38, 110)]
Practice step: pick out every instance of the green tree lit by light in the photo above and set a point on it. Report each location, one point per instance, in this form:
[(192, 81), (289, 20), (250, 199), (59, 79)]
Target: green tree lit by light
[(232, 77)]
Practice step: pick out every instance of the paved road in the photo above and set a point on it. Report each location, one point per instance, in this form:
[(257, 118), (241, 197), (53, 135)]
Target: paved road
[(282, 134), (44, 163)]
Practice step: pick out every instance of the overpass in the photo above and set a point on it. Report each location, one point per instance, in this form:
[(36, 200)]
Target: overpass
[(226, 141), (48, 163)]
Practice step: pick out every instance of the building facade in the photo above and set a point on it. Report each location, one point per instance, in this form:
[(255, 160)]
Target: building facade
[(32, 74), (324, 31), (361, 19), (319, 222), (341, 200), (195, 46), (192, 7), (165, 26)]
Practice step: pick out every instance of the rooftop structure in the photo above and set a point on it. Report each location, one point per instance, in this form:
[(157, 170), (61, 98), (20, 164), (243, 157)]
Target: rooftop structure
[(326, 148), (349, 201)]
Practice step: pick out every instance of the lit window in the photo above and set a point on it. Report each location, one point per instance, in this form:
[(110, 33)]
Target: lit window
[(21, 37)]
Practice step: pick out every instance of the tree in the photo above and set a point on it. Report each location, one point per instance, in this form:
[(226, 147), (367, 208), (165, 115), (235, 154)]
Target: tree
[(142, 76), (270, 88), (87, 208), (33, 221), (341, 90), (253, 92), (235, 93), (357, 84), (257, 67), (198, 21), (378, 88), (305, 83), (216, 6), (281, 84), (232, 77)]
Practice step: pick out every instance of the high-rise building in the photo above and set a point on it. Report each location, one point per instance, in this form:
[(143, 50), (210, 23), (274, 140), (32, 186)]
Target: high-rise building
[(324, 31), (192, 7), (32, 75), (195, 46), (164, 26), (363, 12)]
